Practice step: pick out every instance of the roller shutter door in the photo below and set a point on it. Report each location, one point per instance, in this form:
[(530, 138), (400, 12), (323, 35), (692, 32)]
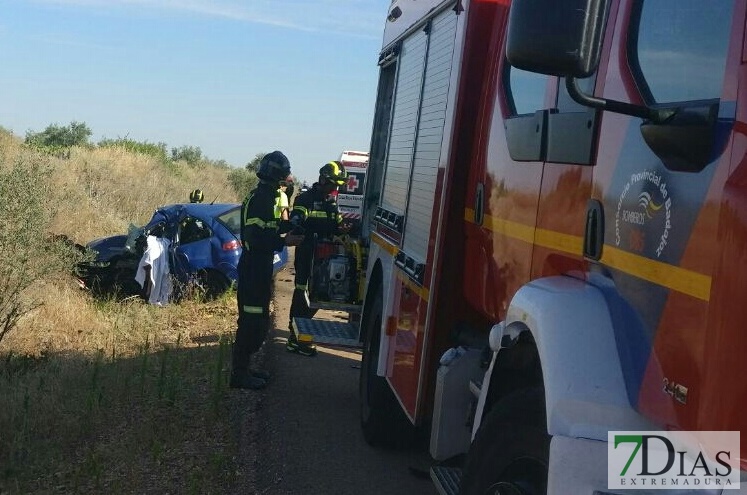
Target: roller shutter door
[(428, 141)]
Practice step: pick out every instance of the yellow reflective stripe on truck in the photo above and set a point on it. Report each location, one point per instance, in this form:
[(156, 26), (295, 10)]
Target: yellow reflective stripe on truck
[(422, 292), (672, 277)]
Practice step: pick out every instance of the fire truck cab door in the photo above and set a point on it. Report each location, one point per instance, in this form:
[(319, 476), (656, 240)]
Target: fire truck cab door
[(660, 187), (504, 187)]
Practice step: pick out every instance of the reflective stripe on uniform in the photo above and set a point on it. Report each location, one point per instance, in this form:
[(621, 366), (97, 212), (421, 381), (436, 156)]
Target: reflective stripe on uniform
[(318, 214), (302, 286), (261, 223), (254, 310), (301, 209)]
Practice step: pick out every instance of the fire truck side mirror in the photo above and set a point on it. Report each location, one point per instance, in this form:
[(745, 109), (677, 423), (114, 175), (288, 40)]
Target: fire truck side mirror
[(558, 38)]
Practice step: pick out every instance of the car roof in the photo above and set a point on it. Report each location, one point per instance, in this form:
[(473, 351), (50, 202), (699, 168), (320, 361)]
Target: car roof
[(199, 209)]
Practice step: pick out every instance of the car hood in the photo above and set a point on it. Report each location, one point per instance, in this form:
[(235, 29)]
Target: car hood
[(108, 247)]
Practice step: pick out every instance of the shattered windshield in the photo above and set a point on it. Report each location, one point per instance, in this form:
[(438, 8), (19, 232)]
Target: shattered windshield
[(133, 233)]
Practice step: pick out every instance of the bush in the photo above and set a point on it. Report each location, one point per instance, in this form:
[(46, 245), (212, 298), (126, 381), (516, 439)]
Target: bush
[(27, 252), (156, 150), (242, 181), (219, 163)]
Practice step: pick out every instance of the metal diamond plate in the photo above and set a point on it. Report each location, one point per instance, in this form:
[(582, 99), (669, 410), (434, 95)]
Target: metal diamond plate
[(326, 332)]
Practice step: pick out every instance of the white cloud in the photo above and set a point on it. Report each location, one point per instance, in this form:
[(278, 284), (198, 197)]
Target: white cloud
[(364, 18)]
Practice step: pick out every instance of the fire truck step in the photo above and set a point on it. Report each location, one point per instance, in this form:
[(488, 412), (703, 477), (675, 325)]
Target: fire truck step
[(326, 332), (446, 479), (334, 306)]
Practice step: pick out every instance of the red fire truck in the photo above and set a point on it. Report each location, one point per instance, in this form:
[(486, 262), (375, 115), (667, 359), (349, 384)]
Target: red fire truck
[(556, 244)]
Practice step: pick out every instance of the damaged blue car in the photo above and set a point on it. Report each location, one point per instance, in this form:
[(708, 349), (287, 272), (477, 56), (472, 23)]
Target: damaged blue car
[(204, 251)]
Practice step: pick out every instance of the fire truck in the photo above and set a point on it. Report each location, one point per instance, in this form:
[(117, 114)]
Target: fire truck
[(555, 226)]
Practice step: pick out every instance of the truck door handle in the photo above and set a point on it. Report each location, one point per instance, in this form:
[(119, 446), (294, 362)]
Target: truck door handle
[(479, 199), (594, 232)]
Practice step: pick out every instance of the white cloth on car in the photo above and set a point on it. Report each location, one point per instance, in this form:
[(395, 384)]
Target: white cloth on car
[(156, 256)]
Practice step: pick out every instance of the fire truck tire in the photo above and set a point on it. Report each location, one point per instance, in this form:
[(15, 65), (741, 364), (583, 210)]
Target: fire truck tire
[(510, 453), (383, 422)]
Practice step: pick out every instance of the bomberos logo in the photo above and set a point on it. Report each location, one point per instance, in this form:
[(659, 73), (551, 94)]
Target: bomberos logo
[(644, 209)]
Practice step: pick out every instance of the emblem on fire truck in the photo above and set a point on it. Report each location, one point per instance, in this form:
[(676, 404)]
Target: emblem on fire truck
[(644, 211)]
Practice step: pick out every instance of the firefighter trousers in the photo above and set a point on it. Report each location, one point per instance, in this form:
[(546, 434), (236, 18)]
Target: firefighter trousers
[(253, 296), (302, 263)]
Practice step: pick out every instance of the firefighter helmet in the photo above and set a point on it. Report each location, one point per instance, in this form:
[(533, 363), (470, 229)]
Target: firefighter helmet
[(333, 172), (196, 196), (274, 167)]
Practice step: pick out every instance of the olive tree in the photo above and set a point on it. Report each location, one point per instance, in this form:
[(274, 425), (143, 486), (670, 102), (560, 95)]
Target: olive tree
[(75, 134), (27, 251)]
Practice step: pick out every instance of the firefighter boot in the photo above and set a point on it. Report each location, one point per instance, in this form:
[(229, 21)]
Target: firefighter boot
[(241, 377), (245, 380), (260, 373), (301, 348)]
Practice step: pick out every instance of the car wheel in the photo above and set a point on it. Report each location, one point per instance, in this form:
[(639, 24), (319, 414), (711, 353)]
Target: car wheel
[(123, 283), (209, 284)]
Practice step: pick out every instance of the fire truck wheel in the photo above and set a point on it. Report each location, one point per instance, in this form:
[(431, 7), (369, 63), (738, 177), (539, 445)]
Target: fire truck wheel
[(511, 451), (383, 422)]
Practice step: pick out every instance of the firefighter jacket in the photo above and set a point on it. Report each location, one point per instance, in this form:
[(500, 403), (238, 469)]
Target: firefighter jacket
[(260, 220), (316, 213)]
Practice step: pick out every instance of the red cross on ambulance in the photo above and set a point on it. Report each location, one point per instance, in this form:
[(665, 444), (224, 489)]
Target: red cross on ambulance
[(353, 183)]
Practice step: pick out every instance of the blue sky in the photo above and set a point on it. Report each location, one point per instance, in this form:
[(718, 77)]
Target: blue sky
[(234, 77)]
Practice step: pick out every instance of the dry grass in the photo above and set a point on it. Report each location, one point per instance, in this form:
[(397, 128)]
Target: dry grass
[(107, 188), (135, 404), (107, 396)]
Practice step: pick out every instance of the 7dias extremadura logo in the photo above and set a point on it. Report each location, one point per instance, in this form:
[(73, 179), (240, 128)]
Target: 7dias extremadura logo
[(666, 460)]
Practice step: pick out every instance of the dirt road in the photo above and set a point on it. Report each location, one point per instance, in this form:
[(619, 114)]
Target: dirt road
[(309, 439)]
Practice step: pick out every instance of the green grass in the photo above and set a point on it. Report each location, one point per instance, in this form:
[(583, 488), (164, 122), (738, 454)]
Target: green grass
[(149, 421)]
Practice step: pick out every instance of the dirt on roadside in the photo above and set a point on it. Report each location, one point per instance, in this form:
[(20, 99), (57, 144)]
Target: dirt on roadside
[(301, 435)]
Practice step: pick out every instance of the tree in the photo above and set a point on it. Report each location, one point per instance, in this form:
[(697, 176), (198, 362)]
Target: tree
[(253, 164), (242, 181), (75, 134), (190, 154), (28, 253)]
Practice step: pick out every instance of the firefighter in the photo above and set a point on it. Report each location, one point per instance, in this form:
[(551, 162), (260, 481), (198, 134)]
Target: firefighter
[(314, 212), (290, 187), (282, 203), (261, 235), (196, 196)]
